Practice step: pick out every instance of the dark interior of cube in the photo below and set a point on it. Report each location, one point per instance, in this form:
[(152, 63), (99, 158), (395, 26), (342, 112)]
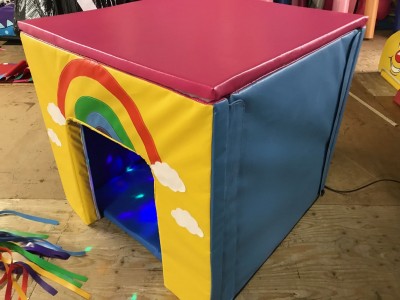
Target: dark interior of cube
[(123, 188)]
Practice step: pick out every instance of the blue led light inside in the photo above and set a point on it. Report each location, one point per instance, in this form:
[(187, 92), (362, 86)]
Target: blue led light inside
[(129, 169), (124, 188)]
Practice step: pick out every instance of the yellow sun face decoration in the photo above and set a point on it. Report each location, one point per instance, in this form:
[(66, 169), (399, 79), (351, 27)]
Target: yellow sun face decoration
[(389, 64)]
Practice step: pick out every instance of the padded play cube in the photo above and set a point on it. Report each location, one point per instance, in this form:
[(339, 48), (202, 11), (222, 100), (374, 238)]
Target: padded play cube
[(204, 129)]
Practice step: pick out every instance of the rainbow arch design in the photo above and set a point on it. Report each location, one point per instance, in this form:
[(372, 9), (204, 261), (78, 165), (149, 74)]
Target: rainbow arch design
[(87, 68), (98, 114)]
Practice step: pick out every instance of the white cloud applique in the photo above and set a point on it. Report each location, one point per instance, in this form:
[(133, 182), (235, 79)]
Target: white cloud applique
[(56, 114), (53, 137), (184, 219), (168, 177)]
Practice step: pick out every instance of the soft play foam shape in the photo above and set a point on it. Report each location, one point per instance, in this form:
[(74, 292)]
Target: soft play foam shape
[(199, 129), (6, 21)]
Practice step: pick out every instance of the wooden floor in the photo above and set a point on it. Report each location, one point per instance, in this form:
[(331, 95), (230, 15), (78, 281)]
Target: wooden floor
[(345, 247)]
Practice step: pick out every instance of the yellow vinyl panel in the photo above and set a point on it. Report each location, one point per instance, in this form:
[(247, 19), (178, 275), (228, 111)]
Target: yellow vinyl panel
[(181, 130)]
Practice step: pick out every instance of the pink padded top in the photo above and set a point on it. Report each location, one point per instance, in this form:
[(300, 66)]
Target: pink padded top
[(203, 48)]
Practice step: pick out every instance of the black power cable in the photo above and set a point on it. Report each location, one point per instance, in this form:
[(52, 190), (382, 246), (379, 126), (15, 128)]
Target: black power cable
[(361, 187)]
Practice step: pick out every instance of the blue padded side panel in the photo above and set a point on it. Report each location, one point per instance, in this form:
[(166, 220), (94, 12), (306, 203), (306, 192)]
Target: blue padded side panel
[(272, 143), (347, 78), (225, 173)]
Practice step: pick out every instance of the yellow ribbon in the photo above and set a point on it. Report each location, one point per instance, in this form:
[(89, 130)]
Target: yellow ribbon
[(15, 284), (59, 280)]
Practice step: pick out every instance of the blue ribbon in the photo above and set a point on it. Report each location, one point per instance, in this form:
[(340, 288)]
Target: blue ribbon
[(29, 217)]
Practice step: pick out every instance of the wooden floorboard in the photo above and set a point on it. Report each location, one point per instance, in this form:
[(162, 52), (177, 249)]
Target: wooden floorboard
[(377, 92), (27, 168), (334, 252)]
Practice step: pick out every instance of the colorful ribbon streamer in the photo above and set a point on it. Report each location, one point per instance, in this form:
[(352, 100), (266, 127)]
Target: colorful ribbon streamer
[(12, 236), (33, 246), (48, 266), (29, 217)]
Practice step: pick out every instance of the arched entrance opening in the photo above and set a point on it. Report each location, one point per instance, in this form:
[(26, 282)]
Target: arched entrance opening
[(123, 188)]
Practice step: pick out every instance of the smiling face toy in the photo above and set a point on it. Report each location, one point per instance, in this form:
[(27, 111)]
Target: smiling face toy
[(395, 63), (389, 64)]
